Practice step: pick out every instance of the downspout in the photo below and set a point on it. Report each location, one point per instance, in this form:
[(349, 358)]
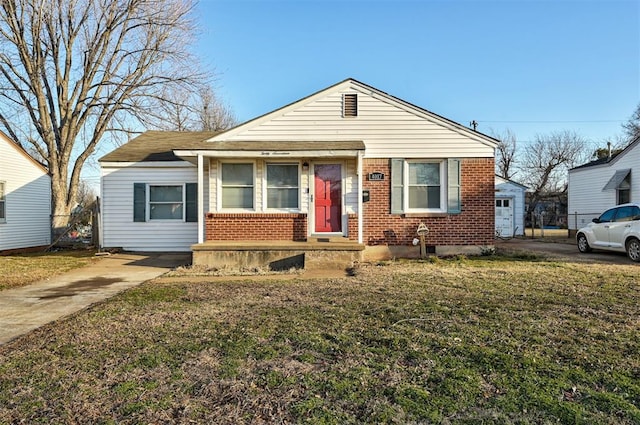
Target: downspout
[(200, 199), (360, 204)]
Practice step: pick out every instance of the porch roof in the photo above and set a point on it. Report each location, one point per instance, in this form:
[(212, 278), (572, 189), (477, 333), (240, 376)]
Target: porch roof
[(276, 149)]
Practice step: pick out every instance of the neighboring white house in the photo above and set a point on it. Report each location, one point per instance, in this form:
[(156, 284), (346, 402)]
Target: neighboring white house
[(349, 163), (602, 184), (25, 199), (510, 198)]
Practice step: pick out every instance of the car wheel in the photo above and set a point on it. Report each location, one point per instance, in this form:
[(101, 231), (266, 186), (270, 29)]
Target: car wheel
[(633, 249), (583, 244)]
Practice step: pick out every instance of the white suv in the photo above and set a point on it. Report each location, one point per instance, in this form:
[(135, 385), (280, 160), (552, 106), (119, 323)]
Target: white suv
[(617, 229)]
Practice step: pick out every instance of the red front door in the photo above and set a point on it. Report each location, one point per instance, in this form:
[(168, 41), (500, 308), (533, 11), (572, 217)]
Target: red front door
[(328, 195)]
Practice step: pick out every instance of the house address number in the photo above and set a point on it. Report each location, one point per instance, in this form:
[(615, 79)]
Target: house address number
[(376, 176)]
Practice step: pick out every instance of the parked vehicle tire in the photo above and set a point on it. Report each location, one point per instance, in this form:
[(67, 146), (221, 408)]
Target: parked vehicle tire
[(583, 244), (633, 249)]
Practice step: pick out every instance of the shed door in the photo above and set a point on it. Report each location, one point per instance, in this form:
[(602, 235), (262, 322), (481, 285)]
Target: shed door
[(327, 198), (504, 217)]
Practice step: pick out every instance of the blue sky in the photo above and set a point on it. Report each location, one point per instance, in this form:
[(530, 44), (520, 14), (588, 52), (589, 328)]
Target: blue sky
[(529, 66)]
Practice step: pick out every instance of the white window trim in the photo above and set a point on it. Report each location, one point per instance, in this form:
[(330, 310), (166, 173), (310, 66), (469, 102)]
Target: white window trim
[(167, 220), (443, 186), (265, 188), (219, 187)]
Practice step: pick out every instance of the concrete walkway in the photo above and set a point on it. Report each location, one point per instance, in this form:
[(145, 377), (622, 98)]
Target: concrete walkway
[(29, 307)]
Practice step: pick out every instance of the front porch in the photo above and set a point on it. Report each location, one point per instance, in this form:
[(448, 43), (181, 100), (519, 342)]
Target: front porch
[(313, 254)]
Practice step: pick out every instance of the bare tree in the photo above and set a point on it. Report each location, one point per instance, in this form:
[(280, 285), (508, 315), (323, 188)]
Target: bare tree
[(632, 126), (202, 111), (74, 71), (86, 194), (546, 161), (214, 114), (506, 154)]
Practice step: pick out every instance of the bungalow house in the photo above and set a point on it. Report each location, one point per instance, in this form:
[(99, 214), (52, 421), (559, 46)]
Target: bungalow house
[(510, 197), (347, 168), (25, 199), (602, 184)]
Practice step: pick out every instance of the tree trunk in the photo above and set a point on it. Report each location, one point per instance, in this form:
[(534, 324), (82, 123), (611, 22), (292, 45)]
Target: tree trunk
[(60, 208)]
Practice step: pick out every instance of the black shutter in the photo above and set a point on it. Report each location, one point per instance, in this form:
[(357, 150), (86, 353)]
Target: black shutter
[(139, 202), (192, 202)]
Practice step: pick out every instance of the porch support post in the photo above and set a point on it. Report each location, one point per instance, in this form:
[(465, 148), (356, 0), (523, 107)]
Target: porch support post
[(360, 204), (200, 199)]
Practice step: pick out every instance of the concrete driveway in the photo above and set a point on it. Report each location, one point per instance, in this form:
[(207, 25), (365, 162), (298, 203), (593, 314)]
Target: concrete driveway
[(29, 307), (563, 249)]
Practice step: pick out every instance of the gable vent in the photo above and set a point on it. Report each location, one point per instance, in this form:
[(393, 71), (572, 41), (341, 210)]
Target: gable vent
[(350, 105)]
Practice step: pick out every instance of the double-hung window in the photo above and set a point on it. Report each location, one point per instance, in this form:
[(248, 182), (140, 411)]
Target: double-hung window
[(165, 202), (424, 191), (153, 202), (624, 190), (425, 186), (237, 184), (3, 208), (283, 187)]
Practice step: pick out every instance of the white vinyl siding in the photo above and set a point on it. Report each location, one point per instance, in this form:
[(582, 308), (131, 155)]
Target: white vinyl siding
[(389, 129), (586, 195), (27, 194), (120, 230), (351, 187), (506, 189)]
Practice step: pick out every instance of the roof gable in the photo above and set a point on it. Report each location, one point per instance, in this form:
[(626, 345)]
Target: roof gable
[(502, 180), (317, 106), (23, 152)]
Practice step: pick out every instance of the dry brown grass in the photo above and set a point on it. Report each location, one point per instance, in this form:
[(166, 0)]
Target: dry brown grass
[(23, 269), (463, 340), (546, 233)]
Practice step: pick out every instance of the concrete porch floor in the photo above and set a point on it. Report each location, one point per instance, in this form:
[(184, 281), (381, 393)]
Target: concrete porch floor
[(317, 253)]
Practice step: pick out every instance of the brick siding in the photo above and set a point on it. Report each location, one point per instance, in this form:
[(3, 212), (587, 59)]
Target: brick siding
[(474, 226), (256, 227)]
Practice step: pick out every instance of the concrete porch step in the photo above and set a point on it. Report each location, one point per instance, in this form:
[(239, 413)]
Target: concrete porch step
[(278, 255), (329, 239)]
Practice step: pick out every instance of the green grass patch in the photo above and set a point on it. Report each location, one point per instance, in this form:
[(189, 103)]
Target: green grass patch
[(465, 340)]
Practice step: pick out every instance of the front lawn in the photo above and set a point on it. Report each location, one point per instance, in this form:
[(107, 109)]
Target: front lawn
[(23, 269), (462, 341)]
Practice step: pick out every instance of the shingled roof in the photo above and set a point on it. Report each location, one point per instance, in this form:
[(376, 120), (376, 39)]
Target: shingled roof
[(608, 159), (158, 146)]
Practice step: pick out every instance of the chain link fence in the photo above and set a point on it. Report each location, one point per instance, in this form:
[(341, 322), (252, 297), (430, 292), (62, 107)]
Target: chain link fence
[(81, 230), (547, 224), (579, 220)]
